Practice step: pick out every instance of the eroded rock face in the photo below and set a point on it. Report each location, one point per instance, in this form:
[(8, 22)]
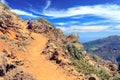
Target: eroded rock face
[(9, 68), (112, 67), (8, 20), (18, 74), (3, 64)]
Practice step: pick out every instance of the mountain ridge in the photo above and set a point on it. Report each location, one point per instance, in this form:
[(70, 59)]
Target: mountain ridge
[(109, 44)]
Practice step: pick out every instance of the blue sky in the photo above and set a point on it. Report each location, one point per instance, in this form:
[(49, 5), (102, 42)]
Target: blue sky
[(91, 19)]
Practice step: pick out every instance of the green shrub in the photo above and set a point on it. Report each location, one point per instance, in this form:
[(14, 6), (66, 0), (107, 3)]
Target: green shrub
[(83, 67), (75, 52), (3, 36), (102, 73), (116, 77), (87, 69), (77, 59)]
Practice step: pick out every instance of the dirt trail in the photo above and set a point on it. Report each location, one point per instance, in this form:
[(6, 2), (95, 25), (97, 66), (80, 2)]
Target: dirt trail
[(39, 66)]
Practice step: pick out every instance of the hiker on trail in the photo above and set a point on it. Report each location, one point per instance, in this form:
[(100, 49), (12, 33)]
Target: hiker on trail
[(29, 23)]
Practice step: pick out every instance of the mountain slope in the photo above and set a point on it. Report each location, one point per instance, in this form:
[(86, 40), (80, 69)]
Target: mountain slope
[(38, 65), (25, 52), (46, 54), (108, 48)]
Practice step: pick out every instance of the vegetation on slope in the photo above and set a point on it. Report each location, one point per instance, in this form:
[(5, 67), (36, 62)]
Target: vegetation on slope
[(87, 67), (107, 48)]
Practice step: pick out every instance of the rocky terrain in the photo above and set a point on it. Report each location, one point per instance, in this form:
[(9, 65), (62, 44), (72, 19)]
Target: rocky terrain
[(46, 54)]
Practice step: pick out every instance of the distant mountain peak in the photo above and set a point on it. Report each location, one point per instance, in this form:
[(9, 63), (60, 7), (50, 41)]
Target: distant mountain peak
[(108, 48)]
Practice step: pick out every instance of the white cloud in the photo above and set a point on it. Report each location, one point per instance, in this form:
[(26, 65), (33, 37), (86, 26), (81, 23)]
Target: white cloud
[(113, 28), (61, 23), (83, 28), (117, 27), (47, 4), (67, 23), (20, 12), (77, 17), (98, 22), (3, 1), (108, 11), (35, 11)]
